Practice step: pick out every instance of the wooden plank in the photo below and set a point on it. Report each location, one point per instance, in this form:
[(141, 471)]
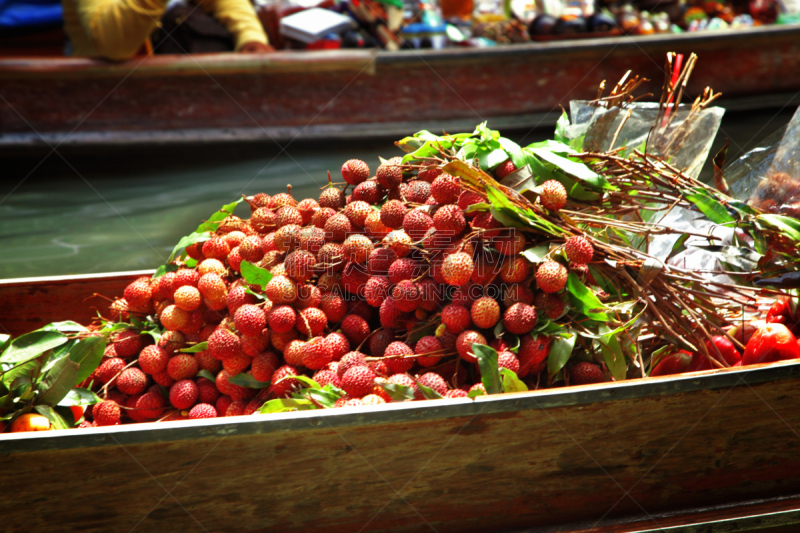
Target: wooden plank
[(565, 457), (30, 303), (281, 96)]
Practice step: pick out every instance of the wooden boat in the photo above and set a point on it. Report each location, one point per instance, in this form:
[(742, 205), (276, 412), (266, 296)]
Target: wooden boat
[(312, 95), (712, 451)]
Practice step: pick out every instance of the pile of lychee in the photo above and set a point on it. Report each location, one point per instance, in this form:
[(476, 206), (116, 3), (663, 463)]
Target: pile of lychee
[(389, 280)]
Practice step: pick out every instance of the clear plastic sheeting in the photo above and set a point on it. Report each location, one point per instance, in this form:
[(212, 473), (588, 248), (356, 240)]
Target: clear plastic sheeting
[(768, 177), (685, 142)]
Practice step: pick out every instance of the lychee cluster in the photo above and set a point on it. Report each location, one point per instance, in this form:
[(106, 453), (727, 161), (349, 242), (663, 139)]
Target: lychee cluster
[(358, 284)]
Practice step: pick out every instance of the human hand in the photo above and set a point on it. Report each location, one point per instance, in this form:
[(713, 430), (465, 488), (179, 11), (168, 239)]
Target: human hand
[(254, 47)]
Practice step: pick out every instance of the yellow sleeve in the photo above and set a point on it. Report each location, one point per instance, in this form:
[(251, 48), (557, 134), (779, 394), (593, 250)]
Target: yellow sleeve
[(118, 28), (239, 17)]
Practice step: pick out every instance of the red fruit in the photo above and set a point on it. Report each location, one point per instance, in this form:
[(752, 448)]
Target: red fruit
[(368, 191), (127, 343), (390, 315), (428, 345), (468, 198), (516, 269), (416, 224), (108, 370), (316, 354), (449, 220), (332, 197), (252, 345), (354, 278), (554, 195), (222, 405), (202, 410), (338, 345), (392, 213), (393, 357), (504, 169), (334, 307), (207, 390), (350, 360), (376, 290), (183, 366), (282, 384), (406, 296), (674, 363), (224, 343), (356, 329), (551, 276), (380, 260), (311, 321), (730, 354), (337, 228), (389, 176), (358, 381), (106, 413), (464, 344), (532, 354), (183, 394), (236, 408), (236, 392), (456, 393), (401, 269), (216, 248), (579, 250), (355, 171), (445, 189), (237, 364), (485, 312), (585, 373), (138, 294), (456, 318), (433, 381), (429, 174), (327, 377), (153, 360), (520, 318), (132, 381), (357, 212), (250, 319), (162, 288), (405, 380), (457, 268), (773, 342), (357, 248), (150, 405), (288, 216), (508, 360), (282, 319), (163, 379), (281, 290), (300, 265), (174, 318), (264, 366)]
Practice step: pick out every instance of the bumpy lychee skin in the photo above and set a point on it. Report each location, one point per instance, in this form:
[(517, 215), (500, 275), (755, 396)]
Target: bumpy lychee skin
[(456, 318), (350, 360), (264, 365), (380, 260), (586, 373), (108, 369), (316, 354), (449, 220), (182, 366), (399, 242), (355, 328), (390, 315), (357, 212), (428, 345), (554, 195), (509, 242), (508, 360), (150, 405), (311, 321), (251, 249), (579, 250), (307, 207), (464, 344), (485, 312), (281, 290), (433, 381), (416, 224), (337, 228), (106, 413), (127, 343), (282, 384), (358, 381), (355, 171), (405, 380), (389, 176), (520, 318), (282, 319), (404, 268), (504, 169), (216, 248), (392, 213), (457, 268), (551, 276), (445, 189), (321, 216), (223, 343), (202, 410), (369, 191), (393, 357), (332, 197), (327, 377), (374, 228), (516, 269), (188, 298), (406, 295), (417, 191), (338, 345), (174, 318), (376, 290), (132, 381), (300, 265), (153, 360), (183, 394), (250, 320), (357, 248)]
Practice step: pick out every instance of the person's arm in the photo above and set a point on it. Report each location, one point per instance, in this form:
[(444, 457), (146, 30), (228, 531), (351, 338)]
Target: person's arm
[(239, 17), (118, 28)]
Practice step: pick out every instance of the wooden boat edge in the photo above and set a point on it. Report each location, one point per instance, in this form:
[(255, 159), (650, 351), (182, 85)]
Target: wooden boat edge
[(398, 413)]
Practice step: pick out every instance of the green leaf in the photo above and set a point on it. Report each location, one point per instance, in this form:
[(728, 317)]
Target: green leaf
[(4, 341), (326, 396), (398, 393), (304, 379), (561, 128), (489, 159), (537, 253), (547, 327), (785, 225), (612, 354), (575, 169), (487, 363), (57, 381), (709, 206), (67, 326), (480, 206), (584, 300), (560, 352), (475, 393), (286, 404), (88, 353), (514, 152), (55, 419), (32, 345), (521, 180), (185, 242), (199, 347), (428, 392), (208, 375), (511, 382), (16, 376), (246, 380), (212, 224), (552, 146), (255, 275), (80, 397), (163, 269)]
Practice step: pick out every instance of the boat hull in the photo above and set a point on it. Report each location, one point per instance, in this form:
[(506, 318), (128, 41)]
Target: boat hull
[(291, 95)]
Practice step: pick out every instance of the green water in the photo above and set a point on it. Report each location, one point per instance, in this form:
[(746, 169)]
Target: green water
[(125, 210)]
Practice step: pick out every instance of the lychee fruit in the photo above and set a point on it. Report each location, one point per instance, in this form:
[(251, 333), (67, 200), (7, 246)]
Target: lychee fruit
[(579, 250), (464, 344), (357, 248), (202, 410), (153, 360), (358, 381), (132, 381), (389, 176), (355, 171), (183, 394), (433, 381), (551, 276), (182, 366), (457, 268), (456, 318), (585, 373), (369, 191), (449, 220), (445, 189), (554, 195), (356, 329), (332, 197), (520, 318), (485, 312), (394, 357), (106, 413)]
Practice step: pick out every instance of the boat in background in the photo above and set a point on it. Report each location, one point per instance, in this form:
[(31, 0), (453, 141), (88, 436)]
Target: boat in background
[(289, 95), (713, 451)]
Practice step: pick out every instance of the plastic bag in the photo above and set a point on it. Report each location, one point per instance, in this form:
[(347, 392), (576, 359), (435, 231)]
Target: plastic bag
[(768, 177), (685, 144)]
